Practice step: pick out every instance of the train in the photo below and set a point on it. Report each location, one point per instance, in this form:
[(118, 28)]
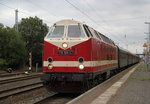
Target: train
[(77, 57)]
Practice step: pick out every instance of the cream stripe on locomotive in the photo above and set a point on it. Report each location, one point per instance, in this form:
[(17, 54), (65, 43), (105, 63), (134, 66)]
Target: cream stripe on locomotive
[(76, 63), (70, 42)]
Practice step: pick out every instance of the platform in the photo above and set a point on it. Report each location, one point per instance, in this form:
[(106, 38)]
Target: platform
[(136, 89), (131, 88)]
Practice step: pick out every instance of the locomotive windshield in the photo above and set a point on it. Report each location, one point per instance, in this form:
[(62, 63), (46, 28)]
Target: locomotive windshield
[(75, 31), (56, 32)]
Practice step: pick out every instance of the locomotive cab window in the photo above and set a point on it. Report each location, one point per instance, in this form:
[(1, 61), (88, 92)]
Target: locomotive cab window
[(75, 31), (88, 33), (56, 32)]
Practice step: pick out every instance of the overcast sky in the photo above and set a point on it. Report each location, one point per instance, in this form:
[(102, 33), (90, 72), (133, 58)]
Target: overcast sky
[(120, 20)]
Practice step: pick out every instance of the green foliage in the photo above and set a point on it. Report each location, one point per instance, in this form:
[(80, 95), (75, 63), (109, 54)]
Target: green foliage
[(37, 53), (1, 25), (34, 30), (3, 62), (12, 48)]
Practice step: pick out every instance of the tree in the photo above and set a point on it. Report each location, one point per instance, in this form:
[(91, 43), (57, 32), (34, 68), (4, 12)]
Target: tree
[(34, 30), (12, 48)]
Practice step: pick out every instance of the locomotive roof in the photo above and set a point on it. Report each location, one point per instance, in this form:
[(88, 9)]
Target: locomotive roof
[(67, 21), (73, 22)]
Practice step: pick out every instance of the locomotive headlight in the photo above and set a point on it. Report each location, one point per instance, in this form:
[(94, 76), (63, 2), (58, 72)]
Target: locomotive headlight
[(81, 67), (65, 45), (50, 66)]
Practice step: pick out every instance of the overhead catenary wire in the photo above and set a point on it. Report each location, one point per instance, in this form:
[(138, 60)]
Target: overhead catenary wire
[(107, 28), (129, 18), (81, 12), (105, 22), (7, 6), (85, 14), (117, 38)]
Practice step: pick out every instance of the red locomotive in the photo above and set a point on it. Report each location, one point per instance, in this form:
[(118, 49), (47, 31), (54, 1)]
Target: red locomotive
[(77, 57)]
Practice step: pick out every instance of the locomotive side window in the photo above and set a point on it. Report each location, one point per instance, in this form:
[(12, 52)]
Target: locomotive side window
[(92, 32), (56, 32), (97, 35), (86, 31), (75, 31), (89, 34)]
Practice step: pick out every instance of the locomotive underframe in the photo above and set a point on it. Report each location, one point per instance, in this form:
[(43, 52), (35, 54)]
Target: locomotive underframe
[(66, 76), (74, 81), (66, 82)]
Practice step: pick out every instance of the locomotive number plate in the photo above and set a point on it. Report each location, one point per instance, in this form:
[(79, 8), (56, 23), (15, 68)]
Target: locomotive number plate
[(65, 53)]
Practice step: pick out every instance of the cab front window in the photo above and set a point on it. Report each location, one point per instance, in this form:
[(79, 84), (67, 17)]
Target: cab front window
[(75, 31), (56, 32)]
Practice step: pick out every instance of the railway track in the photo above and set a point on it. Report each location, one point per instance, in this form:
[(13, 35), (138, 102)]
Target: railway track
[(21, 89), (58, 98), (19, 78), (2, 72), (52, 97), (5, 74), (19, 84)]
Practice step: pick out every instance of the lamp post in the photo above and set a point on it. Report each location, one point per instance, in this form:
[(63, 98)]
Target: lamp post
[(148, 53)]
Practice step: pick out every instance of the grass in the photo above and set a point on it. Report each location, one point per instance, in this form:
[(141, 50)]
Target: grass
[(142, 68), (145, 79), (133, 78), (113, 95)]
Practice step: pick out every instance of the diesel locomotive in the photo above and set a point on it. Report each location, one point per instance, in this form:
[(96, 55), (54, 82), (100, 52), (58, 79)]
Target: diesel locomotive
[(77, 57)]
